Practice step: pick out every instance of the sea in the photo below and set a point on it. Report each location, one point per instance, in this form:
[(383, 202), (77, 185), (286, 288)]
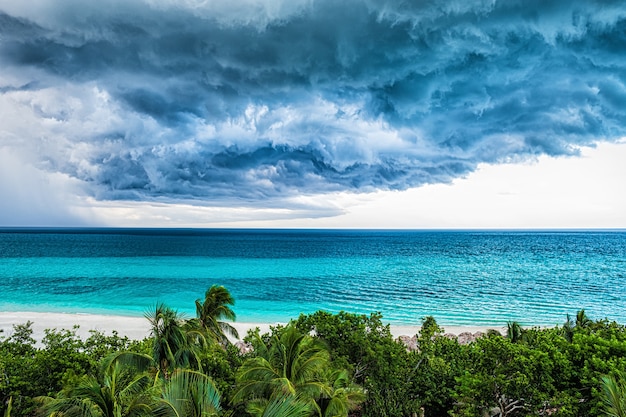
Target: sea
[(461, 277)]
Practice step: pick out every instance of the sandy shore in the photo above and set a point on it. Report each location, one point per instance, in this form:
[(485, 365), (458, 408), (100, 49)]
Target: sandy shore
[(138, 327)]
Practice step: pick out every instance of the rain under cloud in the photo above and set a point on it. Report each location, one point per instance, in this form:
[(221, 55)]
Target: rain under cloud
[(254, 101)]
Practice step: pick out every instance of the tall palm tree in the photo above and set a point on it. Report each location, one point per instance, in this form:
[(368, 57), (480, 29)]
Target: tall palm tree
[(213, 310), (174, 345), (291, 364), (124, 389), (614, 388)]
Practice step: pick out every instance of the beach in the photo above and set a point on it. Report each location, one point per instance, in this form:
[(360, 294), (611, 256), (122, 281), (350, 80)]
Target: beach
[(138, 327)]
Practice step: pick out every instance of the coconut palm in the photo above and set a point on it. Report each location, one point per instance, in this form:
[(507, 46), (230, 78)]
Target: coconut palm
[(614, 388), (174, 345), (213, 310), (190, 394), (514, 331), (582, 320), (128, 388), (291, 363), (124, 389), (344, 396)]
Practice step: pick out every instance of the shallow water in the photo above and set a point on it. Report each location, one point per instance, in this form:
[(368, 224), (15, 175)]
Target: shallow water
[(460, 277)]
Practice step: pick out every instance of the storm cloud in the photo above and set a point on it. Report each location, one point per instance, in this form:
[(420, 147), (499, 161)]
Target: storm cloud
[(255, 100)]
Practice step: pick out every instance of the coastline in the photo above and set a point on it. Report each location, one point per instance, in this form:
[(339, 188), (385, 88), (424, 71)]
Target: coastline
[(138, 327)]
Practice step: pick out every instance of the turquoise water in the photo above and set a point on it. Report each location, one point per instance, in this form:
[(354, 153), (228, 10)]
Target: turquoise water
[(460, 277)]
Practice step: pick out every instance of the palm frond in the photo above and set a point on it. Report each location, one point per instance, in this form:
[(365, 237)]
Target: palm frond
[(135, 360), (287, 406), (290, 364), (192, 394), (614, 388), (213, 309)]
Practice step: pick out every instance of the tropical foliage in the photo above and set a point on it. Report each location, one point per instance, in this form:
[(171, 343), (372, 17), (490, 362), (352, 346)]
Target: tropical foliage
[(364, 346), (172, 345), (293, 364), (123, 389), (614, 387), (190, 394), (321, 364), (212, 311)]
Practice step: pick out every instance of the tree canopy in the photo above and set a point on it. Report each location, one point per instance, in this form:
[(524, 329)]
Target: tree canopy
[(321, 364)]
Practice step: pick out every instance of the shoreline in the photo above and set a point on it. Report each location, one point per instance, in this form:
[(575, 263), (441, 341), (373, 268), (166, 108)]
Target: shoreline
[(138, 328)]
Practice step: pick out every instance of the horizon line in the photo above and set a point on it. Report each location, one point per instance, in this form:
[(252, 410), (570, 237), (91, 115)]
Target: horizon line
[(356, 229)]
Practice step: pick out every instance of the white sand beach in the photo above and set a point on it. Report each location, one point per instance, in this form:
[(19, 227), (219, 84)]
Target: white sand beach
[(138, 327)]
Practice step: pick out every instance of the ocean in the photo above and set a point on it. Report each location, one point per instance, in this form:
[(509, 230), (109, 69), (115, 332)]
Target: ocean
[(459, 277)]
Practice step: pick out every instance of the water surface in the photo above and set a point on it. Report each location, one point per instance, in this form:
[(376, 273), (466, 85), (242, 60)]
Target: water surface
[(460, 277)]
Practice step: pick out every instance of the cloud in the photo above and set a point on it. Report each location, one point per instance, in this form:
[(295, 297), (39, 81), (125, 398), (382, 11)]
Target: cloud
[(258, 101), (34, 198)]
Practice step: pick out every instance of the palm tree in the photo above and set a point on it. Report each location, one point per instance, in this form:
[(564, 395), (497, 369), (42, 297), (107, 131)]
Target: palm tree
[(292, 364), (514, 331), (582, 320), (212, 310), (614, 388), (344, 396), (124, 389), (174, 345), (128, 389), (190, 394), (568, 329)]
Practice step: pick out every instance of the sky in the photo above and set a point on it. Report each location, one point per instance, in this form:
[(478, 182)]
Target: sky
[(313, 113)]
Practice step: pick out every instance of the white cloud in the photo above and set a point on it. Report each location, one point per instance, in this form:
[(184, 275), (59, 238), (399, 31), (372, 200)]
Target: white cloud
[(574, 192)]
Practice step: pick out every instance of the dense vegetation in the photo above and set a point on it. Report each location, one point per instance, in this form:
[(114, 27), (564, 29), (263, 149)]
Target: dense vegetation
[(322, 364)]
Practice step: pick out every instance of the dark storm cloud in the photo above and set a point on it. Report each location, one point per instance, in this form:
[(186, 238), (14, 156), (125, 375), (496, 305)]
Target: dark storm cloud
[(258, 99)]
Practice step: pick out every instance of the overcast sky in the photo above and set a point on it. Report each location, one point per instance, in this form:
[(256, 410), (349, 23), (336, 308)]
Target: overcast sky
[(313, 113)]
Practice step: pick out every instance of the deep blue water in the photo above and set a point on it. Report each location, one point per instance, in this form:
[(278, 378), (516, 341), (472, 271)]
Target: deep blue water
[(460, 277)]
